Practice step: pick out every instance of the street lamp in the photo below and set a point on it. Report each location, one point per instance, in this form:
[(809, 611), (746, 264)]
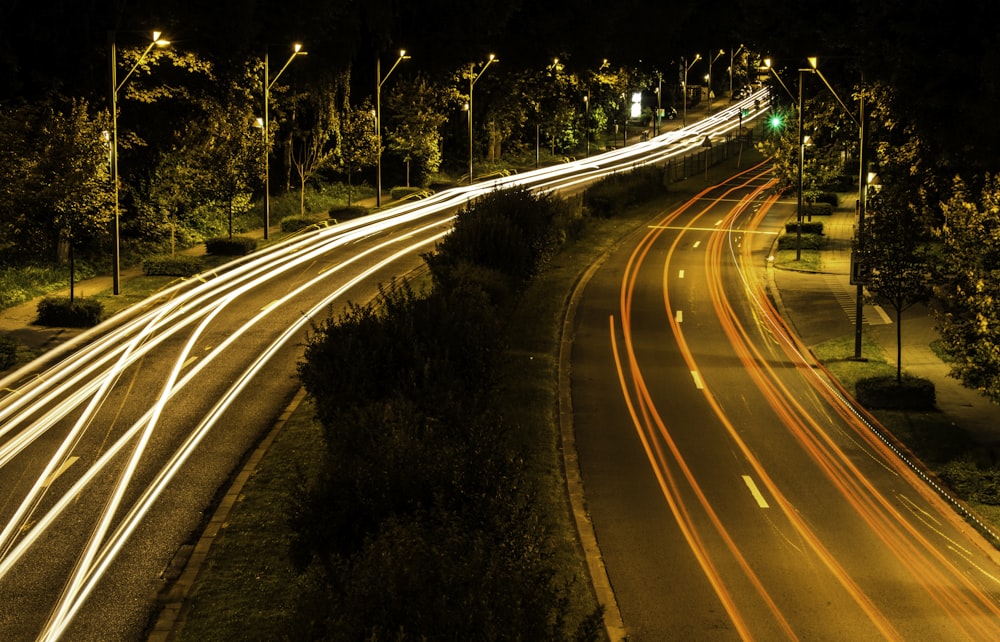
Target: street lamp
[(659, 104), (732, 57), (378, 118), (802, 158), (115, 87), (708, 78), (268, 83), (586, 125), (687, 68), (473, 77)]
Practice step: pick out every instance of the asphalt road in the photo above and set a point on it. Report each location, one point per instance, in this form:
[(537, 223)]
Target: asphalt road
[(734, 494)]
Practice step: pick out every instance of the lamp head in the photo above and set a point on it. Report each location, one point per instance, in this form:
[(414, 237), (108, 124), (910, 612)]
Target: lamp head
[(402, 55), (297, 50), (812, 61), (158, 40)]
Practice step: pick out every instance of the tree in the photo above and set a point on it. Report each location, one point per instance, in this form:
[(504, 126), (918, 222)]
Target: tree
[(417, 108), (967, 296), (895, 253), (358, 142), (55, 180)]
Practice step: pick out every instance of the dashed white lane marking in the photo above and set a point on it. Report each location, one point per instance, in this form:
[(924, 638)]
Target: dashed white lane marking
[(55, 475), (755, 492)]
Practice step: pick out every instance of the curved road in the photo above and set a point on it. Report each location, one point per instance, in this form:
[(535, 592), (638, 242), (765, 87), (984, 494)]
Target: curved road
[(734, 492), (113, 445)]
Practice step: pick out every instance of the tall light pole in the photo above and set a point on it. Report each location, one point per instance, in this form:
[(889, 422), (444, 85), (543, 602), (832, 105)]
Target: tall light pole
[(115, 87), (473, 77), (378, 118), (659, 103), (586, 125), (687, 68), (802, 158), (268, 83), (708, 78), (732, 58)]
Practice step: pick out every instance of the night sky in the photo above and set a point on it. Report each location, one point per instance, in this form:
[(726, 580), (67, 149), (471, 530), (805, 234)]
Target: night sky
[(943, 57)]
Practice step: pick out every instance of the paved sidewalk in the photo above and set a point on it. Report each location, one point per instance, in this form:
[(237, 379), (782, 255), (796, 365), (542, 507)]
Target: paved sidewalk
[(822, 306)]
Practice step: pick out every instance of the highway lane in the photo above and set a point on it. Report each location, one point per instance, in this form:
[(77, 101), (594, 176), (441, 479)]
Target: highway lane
[(113, 445), (734, 492)]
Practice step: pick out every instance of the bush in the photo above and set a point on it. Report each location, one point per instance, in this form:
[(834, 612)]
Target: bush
[(235, 246), (348, 212), (172, 265), (807, 242), (828, 197), (8, 352), (808, 227), (61, 312), (817, 209), (297, 222), (971, 482), (612, 194), (402, 192), (912, 393)]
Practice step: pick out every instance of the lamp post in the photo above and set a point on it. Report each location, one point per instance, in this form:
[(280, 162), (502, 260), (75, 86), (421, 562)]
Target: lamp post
[(732, 57), (708, 78), (473, 77), (268, 83), (802, 159), (586, 125), (115, 87), (659, 104), (378, 119), (687, 68)]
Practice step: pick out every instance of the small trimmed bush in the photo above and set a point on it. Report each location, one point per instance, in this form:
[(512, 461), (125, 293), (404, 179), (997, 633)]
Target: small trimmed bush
[(347, 213), (8, 352), (235, 246), (298, 222), (402, 192), (817, 209), (808, 242), (912, 393), (828, 197), (808, 227), (172, 265), (63, 313)]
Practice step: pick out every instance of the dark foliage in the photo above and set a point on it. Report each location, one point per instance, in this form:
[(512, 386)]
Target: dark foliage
[(226, 246), (499, 242), (807, 227), (908, 393), (172, 265), (612, 195), (8, 352), (65, 313)]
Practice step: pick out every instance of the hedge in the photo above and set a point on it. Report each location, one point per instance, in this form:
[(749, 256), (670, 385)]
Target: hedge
[(807, 241), (61, 312), (298, 222), (808, 227), (172, 265), (817, 209), (912, 393), (235, 246), (402, 192)]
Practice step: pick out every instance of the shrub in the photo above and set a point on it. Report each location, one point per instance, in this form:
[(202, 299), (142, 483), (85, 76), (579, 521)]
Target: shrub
[(808, 227), (8, 352), (235, 246), (828, 197), (807, 242), (61, 312), (402, 192), (348, 212), (297, 222), (817, 209), (612, 194), (171, 265), (912, 393), (972, 482)]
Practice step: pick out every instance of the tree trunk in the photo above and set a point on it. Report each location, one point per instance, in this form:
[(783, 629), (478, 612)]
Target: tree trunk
[(899, 344)]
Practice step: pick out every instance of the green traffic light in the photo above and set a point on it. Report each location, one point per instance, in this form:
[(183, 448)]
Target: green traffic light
[(777, 121)]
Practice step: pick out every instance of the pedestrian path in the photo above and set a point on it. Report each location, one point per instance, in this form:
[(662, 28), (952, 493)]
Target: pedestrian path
[(823, 305)]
